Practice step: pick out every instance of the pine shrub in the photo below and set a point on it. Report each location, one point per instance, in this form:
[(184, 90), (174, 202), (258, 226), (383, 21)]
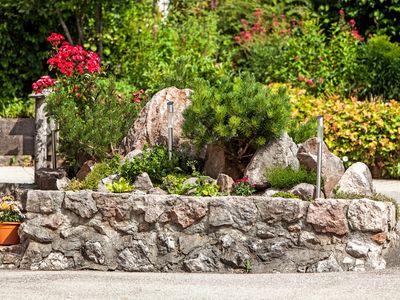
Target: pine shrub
[(239, 115)]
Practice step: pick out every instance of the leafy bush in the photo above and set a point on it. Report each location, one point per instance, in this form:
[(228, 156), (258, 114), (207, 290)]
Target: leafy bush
[(285, 195), (239, 115), (379, 72), (93, 117), (155, 162), (363, 131), (120, 186), (174, 184), (17, 108), (204, 188), (242, 187), (295, 50), (286, 178)]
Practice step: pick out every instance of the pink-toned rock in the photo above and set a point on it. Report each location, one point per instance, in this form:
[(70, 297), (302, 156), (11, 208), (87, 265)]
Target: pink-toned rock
[(151, 127), (216, 162), (379, 238), (328, 216), (225, 183), (332, 166), (186, 213)]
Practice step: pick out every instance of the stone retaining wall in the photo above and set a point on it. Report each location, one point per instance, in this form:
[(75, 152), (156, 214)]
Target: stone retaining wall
[(132, 232)]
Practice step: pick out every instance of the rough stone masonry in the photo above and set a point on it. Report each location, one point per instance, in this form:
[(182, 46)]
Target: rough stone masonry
[(168, 233)]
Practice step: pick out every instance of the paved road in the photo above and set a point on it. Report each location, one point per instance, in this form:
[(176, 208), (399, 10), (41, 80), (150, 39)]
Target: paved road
[(118, 285), (389, 188)]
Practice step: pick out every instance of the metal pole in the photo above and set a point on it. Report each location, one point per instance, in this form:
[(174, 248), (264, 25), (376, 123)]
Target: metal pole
[(53, 128), (170, 106), (320, 140)]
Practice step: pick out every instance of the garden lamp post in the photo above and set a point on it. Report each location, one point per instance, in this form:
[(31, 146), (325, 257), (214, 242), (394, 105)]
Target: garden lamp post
[(320, 140), (170, 107), (53, 128)]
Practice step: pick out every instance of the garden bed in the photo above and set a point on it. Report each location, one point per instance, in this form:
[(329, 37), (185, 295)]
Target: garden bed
[(168, 233)]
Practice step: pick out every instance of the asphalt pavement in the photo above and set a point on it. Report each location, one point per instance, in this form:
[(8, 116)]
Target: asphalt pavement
[(118, 285)]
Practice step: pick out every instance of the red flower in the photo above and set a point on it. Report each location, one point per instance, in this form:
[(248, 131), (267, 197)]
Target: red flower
[(244, 22), (352, 23), (55, 39), (300, 78), (356, 35), (341, 12), (257, 13), (310, 82), (42, 83)]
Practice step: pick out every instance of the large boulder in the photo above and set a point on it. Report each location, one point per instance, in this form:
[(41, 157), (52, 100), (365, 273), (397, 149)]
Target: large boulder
[(356, 180), (151, 126), (332, 166), (279, 152)]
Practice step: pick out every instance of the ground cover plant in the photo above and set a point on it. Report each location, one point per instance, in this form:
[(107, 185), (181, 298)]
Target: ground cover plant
[(286, 178)]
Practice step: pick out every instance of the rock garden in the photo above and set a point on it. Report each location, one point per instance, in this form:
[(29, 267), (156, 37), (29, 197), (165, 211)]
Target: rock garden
[(205, 169)]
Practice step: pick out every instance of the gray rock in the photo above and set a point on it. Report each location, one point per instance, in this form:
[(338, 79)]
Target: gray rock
[(238, 213), (278, 209), (131, 155), (305, 191), (202, 260), (54, 262), (356, 180), (93, 250), (157, 191), (50, 179), (270, 192), (187, 243), (328, 265), (264, 231), (81, 203), (277, 153), (44, 201), (332, 166), (357, 249), (143, 182), (36, 233), (368, 216), (135, 259), (34, 254)]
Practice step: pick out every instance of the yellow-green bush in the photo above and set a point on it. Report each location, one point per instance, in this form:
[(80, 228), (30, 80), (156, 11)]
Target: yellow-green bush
[(367, 131)]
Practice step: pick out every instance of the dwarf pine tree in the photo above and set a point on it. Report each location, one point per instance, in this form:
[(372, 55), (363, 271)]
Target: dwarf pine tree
[(239, 115)]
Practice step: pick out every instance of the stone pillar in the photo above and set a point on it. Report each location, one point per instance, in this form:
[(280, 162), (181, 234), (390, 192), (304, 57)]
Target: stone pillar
[(40, 132)]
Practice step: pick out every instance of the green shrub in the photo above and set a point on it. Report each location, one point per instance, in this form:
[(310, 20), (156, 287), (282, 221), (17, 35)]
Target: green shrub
[(286, 178), (155, 162), (379, 72), (285, 195), (204, 188), (174, 184), (363, 131), (239, 115), (17, 108), (94, 124), (300, 131)]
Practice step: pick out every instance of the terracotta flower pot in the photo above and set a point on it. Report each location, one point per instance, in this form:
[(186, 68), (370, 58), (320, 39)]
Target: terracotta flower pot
[(9, 233)]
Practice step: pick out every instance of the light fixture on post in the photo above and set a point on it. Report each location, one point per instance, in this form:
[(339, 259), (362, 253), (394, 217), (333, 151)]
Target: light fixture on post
[(320, 140), (170, 108)]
